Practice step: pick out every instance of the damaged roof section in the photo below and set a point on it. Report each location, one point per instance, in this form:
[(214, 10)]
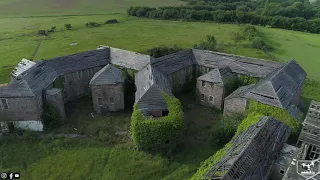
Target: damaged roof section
[(107, 75), (254, 148), (23, 65)]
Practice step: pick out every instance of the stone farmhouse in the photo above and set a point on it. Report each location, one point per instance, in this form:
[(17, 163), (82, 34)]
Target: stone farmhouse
[(76, 75)]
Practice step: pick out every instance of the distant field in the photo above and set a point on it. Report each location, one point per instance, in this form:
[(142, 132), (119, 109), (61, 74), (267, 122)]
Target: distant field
[(50, 7)]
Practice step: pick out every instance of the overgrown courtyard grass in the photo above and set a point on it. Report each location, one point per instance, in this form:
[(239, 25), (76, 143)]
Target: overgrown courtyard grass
[(109, 155)]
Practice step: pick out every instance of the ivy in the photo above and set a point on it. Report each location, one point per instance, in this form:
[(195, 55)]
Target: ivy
[(250, 120), (277, 113), (51, 118), (161, 134)]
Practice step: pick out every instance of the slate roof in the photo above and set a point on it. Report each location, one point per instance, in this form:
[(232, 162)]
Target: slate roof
[(107, 75), (258, 134), (150, 83), (286, 155), (174, 62), (218, 76), (41, 75), (278, 88), (23, 65), (129, 59), (238, 64)]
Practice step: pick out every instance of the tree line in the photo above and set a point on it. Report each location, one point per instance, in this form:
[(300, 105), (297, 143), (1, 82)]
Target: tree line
[(240, 15)]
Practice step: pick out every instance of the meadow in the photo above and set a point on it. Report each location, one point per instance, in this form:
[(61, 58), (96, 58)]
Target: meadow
[(109, 156)]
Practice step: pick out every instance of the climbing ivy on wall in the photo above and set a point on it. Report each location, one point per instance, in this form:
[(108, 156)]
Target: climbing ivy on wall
[(50, 117), (161, 134), (277, 113)]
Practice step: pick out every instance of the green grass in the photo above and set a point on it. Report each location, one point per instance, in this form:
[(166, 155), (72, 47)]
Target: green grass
[(58, 7), (109, 156)]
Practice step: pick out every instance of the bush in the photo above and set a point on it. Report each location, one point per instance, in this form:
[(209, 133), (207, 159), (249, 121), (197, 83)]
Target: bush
[(250, 32), (224, 129), (92, 24), (163, 50), (210, 43), (42, 33), (68, 26), (111, 21), (259, 43), (50, 117), (163, 134)]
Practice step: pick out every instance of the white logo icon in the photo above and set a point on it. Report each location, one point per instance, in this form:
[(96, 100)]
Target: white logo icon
[(308, 168), (3, 175), (16, 175), (11, 176)]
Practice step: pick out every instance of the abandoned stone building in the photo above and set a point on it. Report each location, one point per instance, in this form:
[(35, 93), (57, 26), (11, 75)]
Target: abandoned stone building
[(308, 143), (211, 88), (281, 89), (72, 74), (253, 152), (107, 89)]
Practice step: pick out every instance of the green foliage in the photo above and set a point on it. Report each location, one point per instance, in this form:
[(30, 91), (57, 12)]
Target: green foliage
[(237, 37), (210, 43), (50, 117), (250, 120), (92, 24), (259, 43), (278, 113), (247, 80), (68, 26), (43, 33), (224, 129), (162, 134), (111, 21), (163, 50), (250, 32)]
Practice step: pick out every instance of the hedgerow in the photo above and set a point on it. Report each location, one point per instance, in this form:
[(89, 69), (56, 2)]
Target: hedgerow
[(162, 134), (277, 113), (250, 120)]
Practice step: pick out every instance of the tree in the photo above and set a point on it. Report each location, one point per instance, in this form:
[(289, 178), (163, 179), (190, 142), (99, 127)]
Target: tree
[(237, 37), (42, 32), (258, 43), (209, 44), (68, 26)]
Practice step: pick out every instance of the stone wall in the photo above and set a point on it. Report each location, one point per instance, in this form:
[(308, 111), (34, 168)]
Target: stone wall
[(76, 84), (54, 97), (112, 97), (235, 105), (217, 92)]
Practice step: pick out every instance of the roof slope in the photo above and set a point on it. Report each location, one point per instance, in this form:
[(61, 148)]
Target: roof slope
[(269, 134), (174, 62), (150, 83), (278, 89), (218, 75), (129, 59), (107, 75), (23, 65), (238, 64), (41, 75)]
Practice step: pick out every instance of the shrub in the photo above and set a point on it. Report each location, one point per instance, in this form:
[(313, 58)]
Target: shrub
[(42, 33), (210, 43), (92, 24), (163, 50), (237, 37), (68, 26), (247, 80), (163, 134), (250, 32), (224, 129), (259, 43), (51, 117), (111, 21)]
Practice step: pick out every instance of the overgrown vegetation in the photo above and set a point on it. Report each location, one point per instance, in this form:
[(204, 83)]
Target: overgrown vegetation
[(163, 134), (50, 118), (292, 15), (250, 120), (43, 32), (278, 113), (224, 129), (163, 50), (209, 43), (68, 26), (92, 24)]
